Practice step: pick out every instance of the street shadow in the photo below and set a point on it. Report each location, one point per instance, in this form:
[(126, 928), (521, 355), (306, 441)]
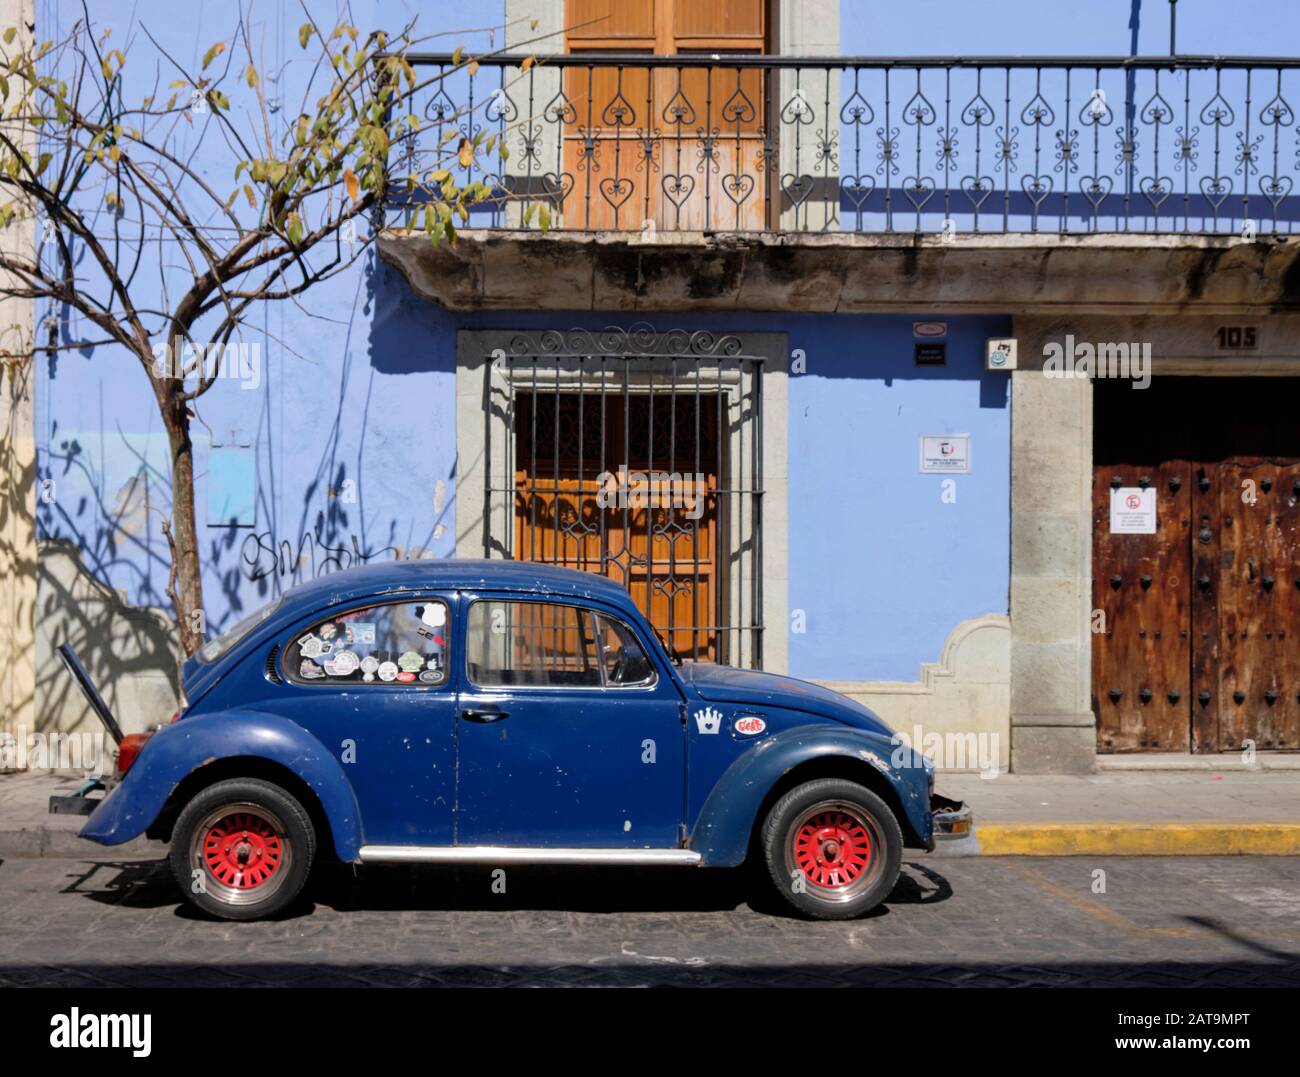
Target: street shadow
[(148, 884)]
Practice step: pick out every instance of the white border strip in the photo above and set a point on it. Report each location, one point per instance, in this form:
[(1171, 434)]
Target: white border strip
[(516, 854)]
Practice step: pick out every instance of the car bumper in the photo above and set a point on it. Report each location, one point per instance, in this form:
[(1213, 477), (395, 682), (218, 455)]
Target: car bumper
[(953, 819), (79, 801)]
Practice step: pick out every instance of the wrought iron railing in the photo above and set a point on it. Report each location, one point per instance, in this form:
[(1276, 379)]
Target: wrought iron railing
[(1205, 145)]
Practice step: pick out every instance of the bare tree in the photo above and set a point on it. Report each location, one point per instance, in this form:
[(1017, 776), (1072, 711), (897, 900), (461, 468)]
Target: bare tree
[(118, 195)]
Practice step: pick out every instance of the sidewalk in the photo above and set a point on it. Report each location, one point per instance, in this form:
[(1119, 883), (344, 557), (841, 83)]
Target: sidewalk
[(1132, 813), (1117, 813), (28, 829)]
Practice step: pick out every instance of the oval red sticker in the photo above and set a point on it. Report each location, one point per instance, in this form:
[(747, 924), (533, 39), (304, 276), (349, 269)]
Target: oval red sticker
[(750, 725)]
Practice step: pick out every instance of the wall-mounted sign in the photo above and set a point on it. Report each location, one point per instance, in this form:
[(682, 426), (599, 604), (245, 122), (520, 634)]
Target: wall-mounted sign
[(930, 347), (930, 352), (1000, 353), (945, 454), (1133, 510), (232, 486)]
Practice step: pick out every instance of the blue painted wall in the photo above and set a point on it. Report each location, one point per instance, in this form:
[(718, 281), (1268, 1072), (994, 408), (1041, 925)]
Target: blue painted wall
[(343, 399), (356, 390), (881, 567)]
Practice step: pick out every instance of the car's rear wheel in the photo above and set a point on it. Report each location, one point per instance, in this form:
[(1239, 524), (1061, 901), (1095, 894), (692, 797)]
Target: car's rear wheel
[(242, 849), (833, 849)]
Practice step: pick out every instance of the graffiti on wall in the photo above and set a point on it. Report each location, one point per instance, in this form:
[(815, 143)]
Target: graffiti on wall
[(263, 557)]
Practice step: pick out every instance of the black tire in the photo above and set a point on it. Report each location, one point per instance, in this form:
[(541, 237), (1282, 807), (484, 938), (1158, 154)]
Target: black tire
[(264, 864), (859, 863)]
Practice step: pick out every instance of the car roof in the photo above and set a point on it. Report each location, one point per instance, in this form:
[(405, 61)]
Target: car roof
[(382, 577)]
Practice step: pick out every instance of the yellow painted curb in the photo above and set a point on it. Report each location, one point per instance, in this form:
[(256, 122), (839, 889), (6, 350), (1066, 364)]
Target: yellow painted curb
[(1139, 839)]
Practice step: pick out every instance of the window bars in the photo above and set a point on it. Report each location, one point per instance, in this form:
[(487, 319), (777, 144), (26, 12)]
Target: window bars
[(636, 455)]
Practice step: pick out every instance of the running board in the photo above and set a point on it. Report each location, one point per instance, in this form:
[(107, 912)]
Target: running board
[(518, 854)]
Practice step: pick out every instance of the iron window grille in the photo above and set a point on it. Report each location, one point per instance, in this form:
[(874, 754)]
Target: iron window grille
[(637, 455)]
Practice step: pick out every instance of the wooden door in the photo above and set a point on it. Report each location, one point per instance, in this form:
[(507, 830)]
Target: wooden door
[(1197, 647), (567, 447), (674, 147), (1248, 605), (1141, 645)]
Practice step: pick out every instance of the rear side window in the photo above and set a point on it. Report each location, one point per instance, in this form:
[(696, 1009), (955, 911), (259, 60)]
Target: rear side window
[(533, 644), (215, 648), (396, 643)]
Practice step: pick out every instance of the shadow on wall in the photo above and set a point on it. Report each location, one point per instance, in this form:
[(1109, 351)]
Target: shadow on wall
[(17, 543), (110, 524), (408, 333), (129, 651), (375, 483)]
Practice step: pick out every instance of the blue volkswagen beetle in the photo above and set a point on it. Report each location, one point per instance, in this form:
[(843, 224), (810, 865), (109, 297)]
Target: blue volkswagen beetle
[(498, 713)]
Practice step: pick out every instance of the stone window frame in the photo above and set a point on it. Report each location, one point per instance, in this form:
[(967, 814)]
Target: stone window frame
[(477, 527)]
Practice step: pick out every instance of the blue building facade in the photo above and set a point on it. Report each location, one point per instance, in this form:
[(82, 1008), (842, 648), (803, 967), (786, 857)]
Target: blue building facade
[(340, 435)]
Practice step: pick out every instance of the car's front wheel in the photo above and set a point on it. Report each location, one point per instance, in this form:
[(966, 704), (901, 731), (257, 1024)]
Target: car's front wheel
[(242, 849), (833, 848)]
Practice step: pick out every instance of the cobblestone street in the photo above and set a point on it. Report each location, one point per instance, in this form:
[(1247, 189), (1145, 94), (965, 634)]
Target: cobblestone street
[(1170, 922)]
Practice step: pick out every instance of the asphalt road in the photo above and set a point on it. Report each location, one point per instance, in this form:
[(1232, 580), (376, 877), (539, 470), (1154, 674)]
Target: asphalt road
[(1168, 922)]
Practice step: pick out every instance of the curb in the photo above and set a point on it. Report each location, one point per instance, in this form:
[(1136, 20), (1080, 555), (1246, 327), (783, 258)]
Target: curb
[(49, 842), (1173, 838)]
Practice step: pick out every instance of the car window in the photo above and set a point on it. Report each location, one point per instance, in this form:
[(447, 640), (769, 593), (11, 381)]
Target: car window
[(621, 654), (394, 643), (215, 648), (535, 644)]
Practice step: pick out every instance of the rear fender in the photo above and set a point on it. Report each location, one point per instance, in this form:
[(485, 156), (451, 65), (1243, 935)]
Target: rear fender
[(180, 749), (722, 832)]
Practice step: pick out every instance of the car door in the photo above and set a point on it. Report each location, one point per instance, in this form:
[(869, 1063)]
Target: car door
[(570, 731), (371, 682)]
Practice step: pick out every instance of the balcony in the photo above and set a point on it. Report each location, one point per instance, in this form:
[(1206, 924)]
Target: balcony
[(1205, 145), (628, 165)]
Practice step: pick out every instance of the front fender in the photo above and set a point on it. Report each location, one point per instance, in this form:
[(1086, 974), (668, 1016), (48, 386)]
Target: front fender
[(177, 750), (722, 831)]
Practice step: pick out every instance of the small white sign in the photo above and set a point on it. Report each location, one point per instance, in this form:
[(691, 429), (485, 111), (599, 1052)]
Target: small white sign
[(1133, 511), (1000, 353), (945, 454)]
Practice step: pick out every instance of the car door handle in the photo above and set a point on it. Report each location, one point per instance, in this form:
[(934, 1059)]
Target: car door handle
[(484, 715)]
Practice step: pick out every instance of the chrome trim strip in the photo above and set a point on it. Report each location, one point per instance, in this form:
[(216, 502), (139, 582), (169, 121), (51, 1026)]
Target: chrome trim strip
[(517, 854)]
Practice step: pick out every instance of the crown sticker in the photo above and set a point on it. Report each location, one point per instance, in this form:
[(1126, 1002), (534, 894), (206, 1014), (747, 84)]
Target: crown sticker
[(708, 720)]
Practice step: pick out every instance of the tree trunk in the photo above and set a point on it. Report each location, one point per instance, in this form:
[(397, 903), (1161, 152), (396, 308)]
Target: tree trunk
[(186, 586)]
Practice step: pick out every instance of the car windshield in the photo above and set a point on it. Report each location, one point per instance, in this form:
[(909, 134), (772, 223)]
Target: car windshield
[(215, 648)]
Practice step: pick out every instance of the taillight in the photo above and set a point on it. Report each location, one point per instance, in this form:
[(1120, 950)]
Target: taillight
[(129, 749)]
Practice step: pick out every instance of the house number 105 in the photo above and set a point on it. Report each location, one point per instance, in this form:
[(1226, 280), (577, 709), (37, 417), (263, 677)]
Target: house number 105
[(1237, 336)]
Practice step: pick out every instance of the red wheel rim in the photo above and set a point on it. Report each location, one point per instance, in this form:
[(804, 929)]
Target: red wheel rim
[(242, 851), (832, 848)]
